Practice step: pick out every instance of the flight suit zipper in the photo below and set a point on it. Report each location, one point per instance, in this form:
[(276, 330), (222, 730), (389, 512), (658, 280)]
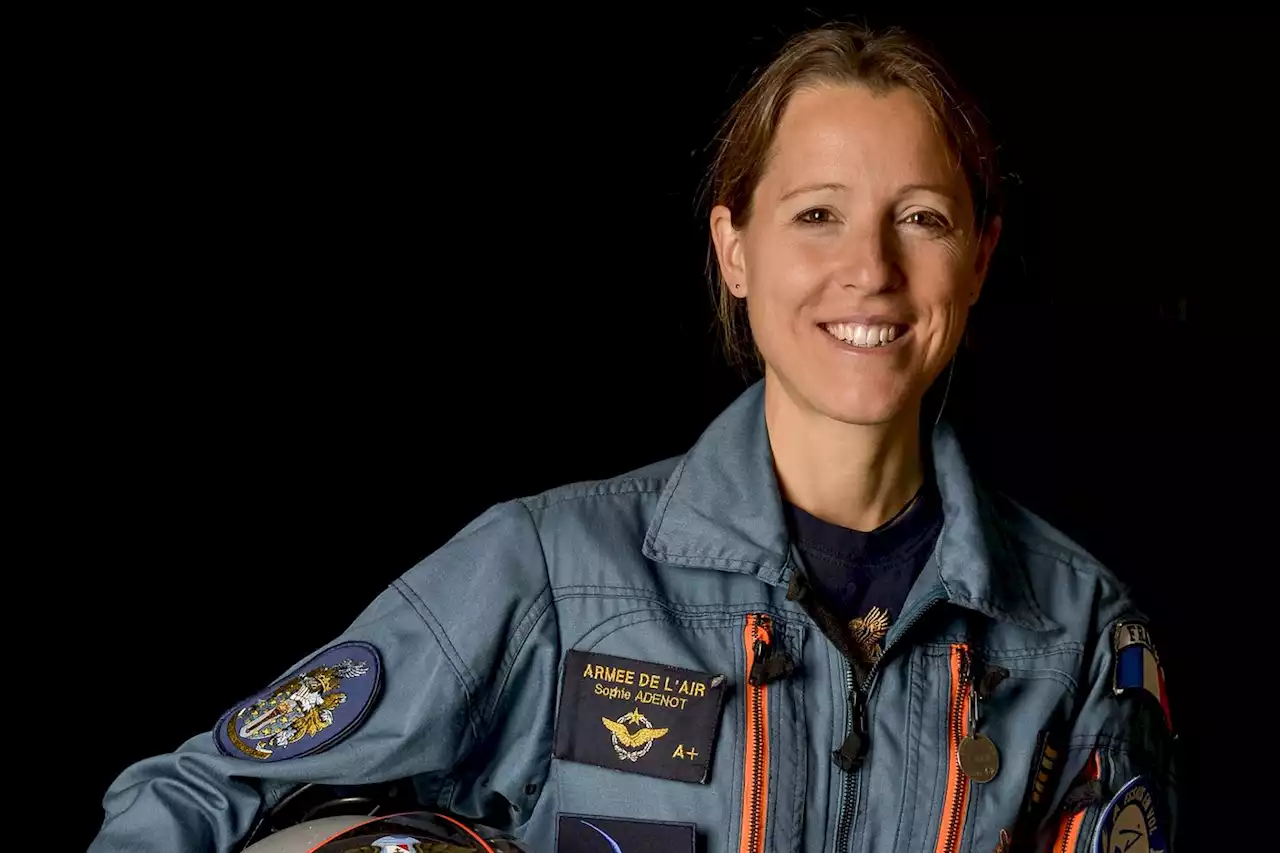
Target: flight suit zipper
[(957, 798), (854, 748), (848, 756), (757, 638)]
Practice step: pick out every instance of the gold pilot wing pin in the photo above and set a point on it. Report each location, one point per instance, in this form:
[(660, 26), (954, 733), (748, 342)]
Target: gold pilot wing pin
[(867, 632)]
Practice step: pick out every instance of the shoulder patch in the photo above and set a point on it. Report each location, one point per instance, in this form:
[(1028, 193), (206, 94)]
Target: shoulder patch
[(1137, 665), (1133, 821), (310, 710)]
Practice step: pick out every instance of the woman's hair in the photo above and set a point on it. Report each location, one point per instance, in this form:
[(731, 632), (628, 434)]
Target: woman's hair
[(839, 54)]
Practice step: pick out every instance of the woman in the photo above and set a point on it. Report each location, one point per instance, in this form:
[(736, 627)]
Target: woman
[(814, 631)]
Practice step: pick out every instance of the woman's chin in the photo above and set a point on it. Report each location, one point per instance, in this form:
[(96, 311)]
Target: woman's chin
[(881, 407), (859, 399)]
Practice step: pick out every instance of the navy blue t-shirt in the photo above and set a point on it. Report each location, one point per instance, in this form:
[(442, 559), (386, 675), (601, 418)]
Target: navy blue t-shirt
[(863, 577)]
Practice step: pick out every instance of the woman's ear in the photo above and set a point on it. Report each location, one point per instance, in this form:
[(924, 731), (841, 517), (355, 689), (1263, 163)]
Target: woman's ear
[(729, 254)]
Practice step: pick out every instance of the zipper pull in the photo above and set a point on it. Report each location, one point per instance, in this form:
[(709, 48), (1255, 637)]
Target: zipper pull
[(982, 687), (978, 755), (769, 662), (854, 748), (973, 712)]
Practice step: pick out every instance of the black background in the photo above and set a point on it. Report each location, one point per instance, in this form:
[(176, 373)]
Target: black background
[(327, 287)]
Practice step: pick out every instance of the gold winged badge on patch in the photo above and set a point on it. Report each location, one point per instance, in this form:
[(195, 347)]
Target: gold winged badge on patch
[(867, 632), (632, 747)]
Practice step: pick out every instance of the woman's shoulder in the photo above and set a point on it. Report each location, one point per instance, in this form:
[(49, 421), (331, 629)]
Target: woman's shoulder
[(1036, 533), (1066, 578), (618, 508), (620, 490), (525, 536)]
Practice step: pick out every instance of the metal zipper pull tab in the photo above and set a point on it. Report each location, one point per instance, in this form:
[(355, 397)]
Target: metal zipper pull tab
[(978, 755), (854, 747), (771, 661)]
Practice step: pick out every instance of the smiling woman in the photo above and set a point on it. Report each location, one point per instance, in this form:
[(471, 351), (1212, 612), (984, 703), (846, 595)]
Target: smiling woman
[(855, 216), (815, 626)]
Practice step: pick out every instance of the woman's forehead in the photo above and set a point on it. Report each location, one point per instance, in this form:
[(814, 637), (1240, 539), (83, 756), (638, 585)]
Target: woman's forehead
[(851, 135)]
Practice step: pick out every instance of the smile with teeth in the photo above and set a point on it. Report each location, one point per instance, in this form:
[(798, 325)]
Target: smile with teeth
[(858, 335)]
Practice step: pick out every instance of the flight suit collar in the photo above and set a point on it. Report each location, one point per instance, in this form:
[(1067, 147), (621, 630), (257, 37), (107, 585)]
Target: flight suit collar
[(722, 509)]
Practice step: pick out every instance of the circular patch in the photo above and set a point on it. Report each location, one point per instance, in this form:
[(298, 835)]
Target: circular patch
[(1132, 822), (323, 701)]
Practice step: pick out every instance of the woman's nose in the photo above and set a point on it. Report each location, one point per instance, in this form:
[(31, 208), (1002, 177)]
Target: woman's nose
[(868, 259)]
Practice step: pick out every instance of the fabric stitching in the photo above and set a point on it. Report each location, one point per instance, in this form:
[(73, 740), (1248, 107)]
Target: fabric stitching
[(660, 600), (912, 739), (711, 626), (509, 659), (450, 653), (605, 490)]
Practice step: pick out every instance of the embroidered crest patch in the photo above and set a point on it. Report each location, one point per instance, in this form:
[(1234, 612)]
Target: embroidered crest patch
[(1132, 821), (308, 711)]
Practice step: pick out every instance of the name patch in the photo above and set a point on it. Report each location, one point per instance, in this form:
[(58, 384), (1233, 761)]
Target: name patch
[(638, 716)]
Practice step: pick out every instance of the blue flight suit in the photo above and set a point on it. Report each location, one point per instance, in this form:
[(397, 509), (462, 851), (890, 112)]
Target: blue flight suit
[(686, 567)]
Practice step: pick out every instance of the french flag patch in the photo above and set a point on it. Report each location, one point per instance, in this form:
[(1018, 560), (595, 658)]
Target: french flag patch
[(1137, 665)]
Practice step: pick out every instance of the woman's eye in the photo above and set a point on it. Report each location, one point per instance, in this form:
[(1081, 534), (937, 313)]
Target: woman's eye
[(927, 219), (816, 216)]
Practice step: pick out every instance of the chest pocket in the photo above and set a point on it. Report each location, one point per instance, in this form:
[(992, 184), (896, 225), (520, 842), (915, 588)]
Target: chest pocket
[(991, 706), (752, 798)]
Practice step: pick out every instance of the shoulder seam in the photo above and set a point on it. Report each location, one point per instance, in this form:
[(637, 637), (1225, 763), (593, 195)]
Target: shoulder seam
[(456, 663), (604, 488), (538, 607), (1083, 567), (1077, 559)]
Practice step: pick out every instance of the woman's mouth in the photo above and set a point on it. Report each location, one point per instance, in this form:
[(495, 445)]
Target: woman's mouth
[(865, 337)]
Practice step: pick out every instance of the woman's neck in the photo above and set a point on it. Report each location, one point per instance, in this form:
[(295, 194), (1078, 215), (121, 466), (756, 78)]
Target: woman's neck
[(855, 476)]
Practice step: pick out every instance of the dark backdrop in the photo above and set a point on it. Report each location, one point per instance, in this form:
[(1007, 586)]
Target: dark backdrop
[(349, 282)]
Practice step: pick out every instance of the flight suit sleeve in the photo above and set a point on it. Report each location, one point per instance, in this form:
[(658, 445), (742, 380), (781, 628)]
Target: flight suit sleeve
[(1121, 781), (450, 635)]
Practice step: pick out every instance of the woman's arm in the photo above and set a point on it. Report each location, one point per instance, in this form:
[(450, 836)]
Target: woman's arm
[(447, 636)]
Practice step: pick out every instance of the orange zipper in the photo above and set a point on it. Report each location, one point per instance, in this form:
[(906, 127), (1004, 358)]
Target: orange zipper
[(957, 802), (1069, 827), (755, 777)]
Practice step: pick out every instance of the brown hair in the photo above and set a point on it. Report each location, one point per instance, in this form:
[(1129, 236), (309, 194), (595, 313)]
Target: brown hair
[(837, 53)]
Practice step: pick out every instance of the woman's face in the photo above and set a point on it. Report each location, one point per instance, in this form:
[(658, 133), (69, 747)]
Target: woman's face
[(860, 259)]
